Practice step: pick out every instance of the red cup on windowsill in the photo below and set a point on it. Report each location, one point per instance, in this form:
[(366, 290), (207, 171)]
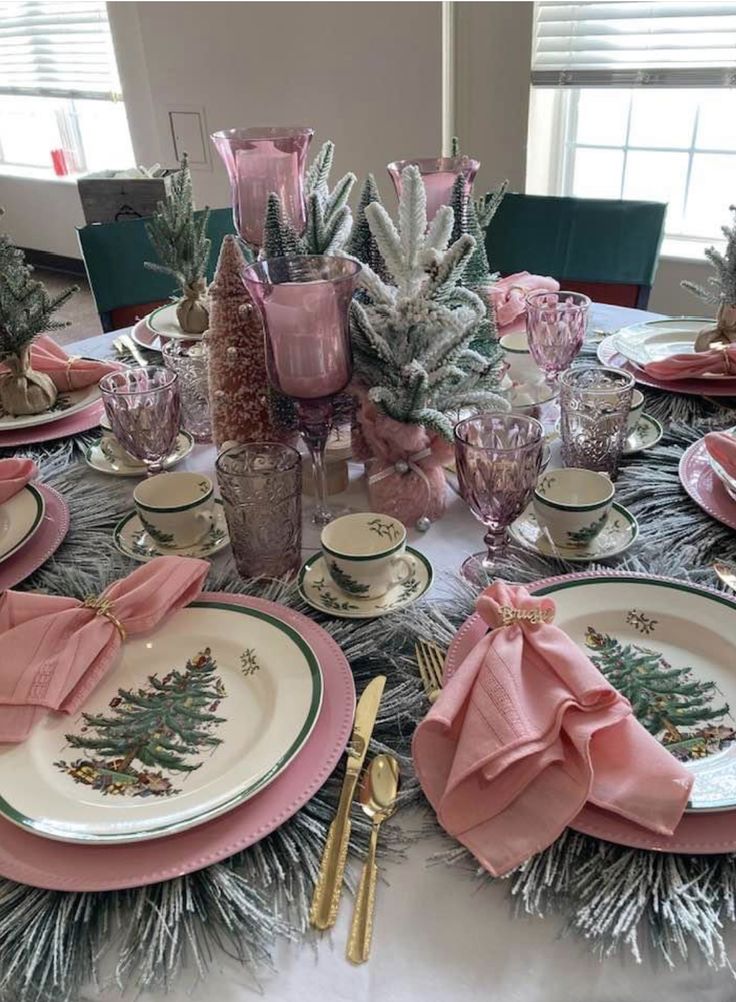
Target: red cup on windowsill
[(58, 159)]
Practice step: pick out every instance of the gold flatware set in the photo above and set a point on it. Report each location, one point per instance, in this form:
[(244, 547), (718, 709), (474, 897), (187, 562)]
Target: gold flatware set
[(378, 793)]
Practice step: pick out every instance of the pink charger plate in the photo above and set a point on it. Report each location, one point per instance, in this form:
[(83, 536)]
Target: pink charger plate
[(706, 833), (41, 862), (703, 485), (608, 355), (45, 541), (83, 420)]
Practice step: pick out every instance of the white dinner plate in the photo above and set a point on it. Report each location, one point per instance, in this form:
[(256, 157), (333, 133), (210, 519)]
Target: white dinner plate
[(67, 403), (163, 321), (630, 625), (193, 720), (656, 340), (20, 518)]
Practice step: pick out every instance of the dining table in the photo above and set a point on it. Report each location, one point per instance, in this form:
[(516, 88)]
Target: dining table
[(440, 934)]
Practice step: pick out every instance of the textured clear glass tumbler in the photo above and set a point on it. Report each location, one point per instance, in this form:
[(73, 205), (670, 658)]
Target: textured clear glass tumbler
[(188, 359), (498, 458), (261, 487), (143, 408), (556, 324), (594, 404)]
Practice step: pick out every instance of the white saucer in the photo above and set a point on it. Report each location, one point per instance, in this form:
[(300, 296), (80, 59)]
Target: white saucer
[(647, 432), (132, 540), (317, 589), (617, 535), (106, 463)]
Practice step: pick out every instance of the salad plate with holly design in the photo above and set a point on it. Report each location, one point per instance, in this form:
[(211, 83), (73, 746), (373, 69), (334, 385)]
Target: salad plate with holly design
[(319, 590), (195, 719), (670, 648)]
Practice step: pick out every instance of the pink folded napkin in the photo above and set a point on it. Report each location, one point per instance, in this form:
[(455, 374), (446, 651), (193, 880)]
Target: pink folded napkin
[(14, 475), (694, 365), (722, 447), (66, 371), (62, 647), (509, 294), (526, 731)]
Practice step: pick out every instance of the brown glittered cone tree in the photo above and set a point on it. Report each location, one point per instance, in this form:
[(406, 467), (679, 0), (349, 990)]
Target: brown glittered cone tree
[(239, 390)]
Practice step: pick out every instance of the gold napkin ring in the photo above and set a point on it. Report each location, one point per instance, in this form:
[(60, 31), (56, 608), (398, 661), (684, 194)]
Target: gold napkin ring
[(68, 372), (104, 607), (511, 615)]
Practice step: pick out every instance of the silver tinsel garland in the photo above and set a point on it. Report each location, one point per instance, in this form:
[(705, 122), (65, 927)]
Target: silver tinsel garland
[(52, 942)]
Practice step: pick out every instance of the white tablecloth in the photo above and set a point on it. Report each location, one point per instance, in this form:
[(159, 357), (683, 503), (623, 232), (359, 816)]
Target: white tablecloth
[(438, 937)]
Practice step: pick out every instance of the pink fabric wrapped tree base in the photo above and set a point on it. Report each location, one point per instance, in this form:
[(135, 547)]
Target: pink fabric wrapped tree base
[(404, 464)]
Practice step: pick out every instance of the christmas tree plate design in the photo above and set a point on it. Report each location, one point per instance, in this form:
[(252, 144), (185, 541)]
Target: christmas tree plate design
[(20, 518), (132, 540), (670, 648), (163, 321), (102, 460), (194, 720), (618, 533), (645, 434), (318, 590), (66, 405)]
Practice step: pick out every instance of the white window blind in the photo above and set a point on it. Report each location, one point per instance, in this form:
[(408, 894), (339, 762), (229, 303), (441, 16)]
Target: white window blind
[(631, 44), (52, 49)]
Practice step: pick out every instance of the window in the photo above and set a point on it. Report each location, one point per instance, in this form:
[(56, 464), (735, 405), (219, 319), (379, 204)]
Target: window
[(657, 119), (59, 89)]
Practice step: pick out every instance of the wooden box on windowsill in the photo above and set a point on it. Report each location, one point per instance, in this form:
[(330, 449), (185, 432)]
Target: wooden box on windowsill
[(113, 199)]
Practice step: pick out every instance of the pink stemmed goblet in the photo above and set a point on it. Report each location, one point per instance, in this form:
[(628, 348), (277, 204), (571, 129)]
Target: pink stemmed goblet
[(142, 406), (498, 458), (556, 323), (304, 303), (439, 175), (260, 161)]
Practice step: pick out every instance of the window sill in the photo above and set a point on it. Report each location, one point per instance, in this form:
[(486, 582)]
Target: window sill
[(674, 249), (36, 174)]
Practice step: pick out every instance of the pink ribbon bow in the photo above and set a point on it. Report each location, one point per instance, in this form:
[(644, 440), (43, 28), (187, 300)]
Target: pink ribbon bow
[(65, 371), (526, 731), (14, 475), (62, 647), (722, 447), (694, 365)]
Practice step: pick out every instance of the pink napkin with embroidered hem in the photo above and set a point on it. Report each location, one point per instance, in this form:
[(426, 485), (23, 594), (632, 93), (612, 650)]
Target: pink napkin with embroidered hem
[(66, 371), (61, 648), (14, 475), (694, 365), (722, 447), (526, 731), (508, 295)]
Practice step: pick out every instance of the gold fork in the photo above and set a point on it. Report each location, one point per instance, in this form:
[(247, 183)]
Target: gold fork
[(430, 658)]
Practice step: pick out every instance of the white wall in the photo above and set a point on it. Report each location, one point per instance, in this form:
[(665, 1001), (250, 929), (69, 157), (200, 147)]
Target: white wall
[(367, 75)]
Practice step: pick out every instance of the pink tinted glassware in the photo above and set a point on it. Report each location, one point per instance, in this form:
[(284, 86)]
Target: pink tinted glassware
[(498, 458), (142, 406), (439, 175), (556, 323), (260, 161), (304, 303)]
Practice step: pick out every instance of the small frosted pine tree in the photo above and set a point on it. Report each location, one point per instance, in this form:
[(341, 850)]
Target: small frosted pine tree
[(183, 248), (720, 290), (362, 244)]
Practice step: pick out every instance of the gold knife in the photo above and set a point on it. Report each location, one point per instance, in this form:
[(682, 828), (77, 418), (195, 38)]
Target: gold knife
[(328, 888)]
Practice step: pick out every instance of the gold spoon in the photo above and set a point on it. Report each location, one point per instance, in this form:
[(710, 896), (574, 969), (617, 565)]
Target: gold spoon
[(727, 574), (378, 793)]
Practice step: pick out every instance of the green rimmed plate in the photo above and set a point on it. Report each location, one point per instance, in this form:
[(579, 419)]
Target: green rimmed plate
[(20, 518), (163, 321), (194, 719)]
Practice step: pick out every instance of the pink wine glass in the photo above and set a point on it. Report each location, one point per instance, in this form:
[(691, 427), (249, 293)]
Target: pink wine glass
[(260, 161), (142, 406), (498, 458), (304, 303), (556, 323), (439, 175)]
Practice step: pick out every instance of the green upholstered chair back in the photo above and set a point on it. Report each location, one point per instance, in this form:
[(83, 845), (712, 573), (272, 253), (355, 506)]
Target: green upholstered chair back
[(604, 247), (114, 255)]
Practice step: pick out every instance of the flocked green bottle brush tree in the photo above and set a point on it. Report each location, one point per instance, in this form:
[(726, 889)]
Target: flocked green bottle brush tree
[(720, 291), (26, 310), (180, 240)]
